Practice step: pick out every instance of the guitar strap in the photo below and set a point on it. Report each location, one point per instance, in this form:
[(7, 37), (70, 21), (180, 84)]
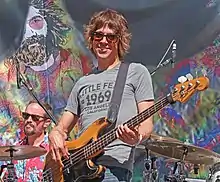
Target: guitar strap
[(117, 93)]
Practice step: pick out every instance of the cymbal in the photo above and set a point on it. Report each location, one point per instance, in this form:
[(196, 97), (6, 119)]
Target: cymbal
[(176, 150), (20, 152), (155, 137)]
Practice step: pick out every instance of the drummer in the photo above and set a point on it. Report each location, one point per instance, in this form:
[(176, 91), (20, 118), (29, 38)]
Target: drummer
[(36, 123)]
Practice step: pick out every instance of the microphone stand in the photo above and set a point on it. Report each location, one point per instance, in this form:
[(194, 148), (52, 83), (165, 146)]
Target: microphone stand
[(22, 80), (161, 65), (170, 60)]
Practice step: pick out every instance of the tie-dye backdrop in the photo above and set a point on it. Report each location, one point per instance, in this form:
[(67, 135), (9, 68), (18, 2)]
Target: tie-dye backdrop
[(53, 56), (197, 121)]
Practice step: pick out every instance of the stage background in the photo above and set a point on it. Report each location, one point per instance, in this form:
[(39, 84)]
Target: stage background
[(53, 56)]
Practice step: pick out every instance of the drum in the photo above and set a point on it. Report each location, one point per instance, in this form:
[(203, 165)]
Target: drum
[(214, 175)]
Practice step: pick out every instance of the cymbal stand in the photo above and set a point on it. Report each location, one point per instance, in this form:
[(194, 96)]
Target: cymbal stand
[(10, 167), (179, 165), (150, 173)]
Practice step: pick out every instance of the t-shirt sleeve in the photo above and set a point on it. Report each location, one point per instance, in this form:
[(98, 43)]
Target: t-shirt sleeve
[(73, 102), (143, 84)]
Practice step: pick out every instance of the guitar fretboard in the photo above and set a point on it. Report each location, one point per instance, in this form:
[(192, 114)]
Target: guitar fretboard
[(110, 136)]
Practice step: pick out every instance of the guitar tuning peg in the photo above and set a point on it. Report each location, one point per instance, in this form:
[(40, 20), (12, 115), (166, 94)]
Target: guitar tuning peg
[(182, 79), (189, 76)]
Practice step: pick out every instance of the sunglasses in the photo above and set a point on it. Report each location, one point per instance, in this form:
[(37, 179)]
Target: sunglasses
[(34, 117), (111, 38)]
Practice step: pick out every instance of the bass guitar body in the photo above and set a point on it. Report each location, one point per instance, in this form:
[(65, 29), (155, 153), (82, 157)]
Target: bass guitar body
[(80, 165)]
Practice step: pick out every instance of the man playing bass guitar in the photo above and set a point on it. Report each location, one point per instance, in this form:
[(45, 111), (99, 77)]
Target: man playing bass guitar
[(108, 38)]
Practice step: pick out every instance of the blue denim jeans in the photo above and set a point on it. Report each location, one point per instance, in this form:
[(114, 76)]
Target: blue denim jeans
[(115, 174)]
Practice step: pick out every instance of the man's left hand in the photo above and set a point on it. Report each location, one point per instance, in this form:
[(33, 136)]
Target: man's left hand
[(127, 135)]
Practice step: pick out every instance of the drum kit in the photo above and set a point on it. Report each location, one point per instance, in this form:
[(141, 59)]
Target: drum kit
[(179, 153), (156, 146), (20, 152)]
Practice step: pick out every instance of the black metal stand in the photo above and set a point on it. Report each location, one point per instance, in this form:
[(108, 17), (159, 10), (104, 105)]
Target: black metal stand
[(161, 66), (171, 60), (11, 177), (21, 80), (150, 173), (179, 165)]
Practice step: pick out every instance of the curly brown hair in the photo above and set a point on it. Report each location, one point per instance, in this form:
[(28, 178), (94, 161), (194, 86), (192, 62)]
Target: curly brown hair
[(113, 20)]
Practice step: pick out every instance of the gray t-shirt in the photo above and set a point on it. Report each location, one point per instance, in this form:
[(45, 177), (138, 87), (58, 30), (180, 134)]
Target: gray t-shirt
[(90, 99)]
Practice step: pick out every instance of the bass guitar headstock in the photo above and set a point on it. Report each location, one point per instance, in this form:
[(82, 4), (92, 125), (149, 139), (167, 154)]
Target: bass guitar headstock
[(183, 91)]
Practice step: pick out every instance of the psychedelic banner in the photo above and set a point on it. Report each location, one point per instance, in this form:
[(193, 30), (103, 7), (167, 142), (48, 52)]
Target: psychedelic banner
[(52, 57)]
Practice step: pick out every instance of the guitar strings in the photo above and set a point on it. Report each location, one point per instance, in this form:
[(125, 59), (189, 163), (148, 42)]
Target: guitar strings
[(97, 142), (79, 154)]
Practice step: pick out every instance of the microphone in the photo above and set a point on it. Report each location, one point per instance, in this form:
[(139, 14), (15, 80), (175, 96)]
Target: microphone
[(166, 62), (173, 54)]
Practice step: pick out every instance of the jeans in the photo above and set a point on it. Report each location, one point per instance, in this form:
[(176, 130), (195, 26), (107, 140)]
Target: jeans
[(115, 174)]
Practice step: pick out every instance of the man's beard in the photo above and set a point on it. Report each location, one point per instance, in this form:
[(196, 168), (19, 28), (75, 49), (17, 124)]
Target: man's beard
[(30, 131)]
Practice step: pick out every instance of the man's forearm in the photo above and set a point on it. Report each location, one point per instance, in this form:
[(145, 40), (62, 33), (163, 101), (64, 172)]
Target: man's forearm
[(67, 122), (146, 128)]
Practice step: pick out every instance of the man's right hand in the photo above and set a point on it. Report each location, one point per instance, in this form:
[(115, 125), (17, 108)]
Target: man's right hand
[(57, 144)]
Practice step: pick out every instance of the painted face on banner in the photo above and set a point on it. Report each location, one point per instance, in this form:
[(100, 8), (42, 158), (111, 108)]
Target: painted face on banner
[(35, 41)]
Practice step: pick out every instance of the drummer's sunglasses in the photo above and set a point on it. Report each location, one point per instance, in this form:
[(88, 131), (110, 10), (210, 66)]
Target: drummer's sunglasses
[(111, 38), (34, 117)]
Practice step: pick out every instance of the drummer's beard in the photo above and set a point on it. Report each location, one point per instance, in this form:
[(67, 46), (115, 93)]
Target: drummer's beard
[(29, 129)]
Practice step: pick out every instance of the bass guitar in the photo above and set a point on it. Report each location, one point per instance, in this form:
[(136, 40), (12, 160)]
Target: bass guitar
[(81, 166)]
